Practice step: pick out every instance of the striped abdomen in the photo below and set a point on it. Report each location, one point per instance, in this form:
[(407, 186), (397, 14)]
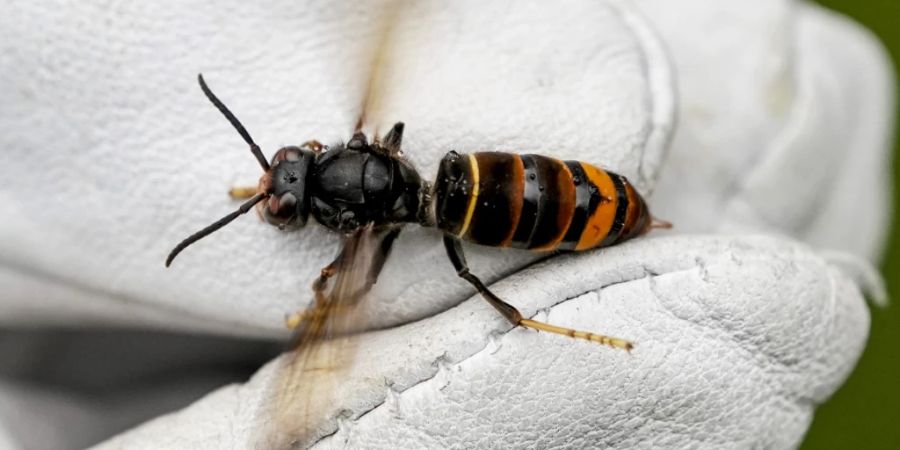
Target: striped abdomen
[(535, 202)]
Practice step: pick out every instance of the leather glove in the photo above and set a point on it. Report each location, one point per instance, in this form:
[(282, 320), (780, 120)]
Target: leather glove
[(744, 318)]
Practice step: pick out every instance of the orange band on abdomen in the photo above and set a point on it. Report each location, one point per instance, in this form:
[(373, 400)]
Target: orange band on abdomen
[(600, 221)]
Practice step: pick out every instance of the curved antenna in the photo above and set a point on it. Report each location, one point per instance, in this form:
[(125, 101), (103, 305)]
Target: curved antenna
[(215, 226), (235, 123)]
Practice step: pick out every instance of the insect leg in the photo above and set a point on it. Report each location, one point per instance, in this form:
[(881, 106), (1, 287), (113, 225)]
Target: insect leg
[(313, 145), (326, 273), (455, 252), (291, 321), (394, 138), (243, 192), (378, 259)]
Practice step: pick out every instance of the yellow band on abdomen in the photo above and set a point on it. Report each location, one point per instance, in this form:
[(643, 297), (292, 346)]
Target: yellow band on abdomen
[(473, 197)]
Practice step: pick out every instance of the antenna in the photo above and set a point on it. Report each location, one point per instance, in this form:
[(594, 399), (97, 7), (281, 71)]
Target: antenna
[(215, 226), (235, 123)]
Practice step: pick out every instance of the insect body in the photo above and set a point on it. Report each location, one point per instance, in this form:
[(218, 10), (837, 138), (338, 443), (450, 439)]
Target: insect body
[(366, 190), (344, 188), (535, 202)]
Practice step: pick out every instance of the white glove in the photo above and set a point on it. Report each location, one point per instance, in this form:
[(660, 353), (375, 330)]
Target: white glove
[(116, 156)]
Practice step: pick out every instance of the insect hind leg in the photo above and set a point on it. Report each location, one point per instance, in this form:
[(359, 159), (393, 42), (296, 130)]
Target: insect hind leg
[(455, 252)]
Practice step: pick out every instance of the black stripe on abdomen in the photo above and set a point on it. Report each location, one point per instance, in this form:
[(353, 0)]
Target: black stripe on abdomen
[(532, 204), (552, 178), (582, 206), (621, 209)]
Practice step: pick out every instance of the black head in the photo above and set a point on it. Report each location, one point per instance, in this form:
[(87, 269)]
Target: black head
[(287, 205), (282, 195)]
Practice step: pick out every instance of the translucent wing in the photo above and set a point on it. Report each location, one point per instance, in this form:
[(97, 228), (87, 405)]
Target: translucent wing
[(377, 80), (301, 399)]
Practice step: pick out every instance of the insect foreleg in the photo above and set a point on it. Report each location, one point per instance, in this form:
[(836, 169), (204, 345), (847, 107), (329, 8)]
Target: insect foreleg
[(291, 321), (313, 145), (242, 192), (455, 252)]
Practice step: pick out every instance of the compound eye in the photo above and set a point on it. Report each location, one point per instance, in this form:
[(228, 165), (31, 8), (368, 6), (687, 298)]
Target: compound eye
[(282, 208), (286, 154)]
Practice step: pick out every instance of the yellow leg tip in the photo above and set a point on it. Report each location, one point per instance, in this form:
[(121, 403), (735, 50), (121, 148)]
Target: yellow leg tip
[(292, 321), (241, 193), (621, 344), (606, 340)]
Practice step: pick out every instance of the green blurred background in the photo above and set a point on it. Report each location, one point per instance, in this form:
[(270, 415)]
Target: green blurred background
[(865, 413)]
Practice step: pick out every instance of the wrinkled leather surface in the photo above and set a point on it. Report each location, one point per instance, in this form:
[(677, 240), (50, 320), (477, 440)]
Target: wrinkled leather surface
[(113, 155), (737, 339), (139, 159)]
